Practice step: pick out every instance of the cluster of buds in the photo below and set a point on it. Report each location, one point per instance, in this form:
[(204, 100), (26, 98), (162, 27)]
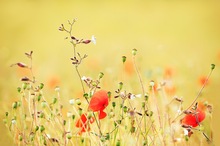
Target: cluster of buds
[(92, 84)]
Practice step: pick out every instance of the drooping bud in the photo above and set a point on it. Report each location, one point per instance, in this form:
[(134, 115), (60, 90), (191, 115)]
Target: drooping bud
[(113, 104), (101, 74), (86, 41), (212, 66), (120, 86), (123, 59), (41, 86), (134, 52), (42, 128)]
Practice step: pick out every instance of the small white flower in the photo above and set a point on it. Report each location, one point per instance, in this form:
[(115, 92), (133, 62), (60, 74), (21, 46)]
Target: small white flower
[(152, 83), (72, 101), (178, 139), (84, 78), (122, 94), (13, 121), (179, 111), (93, 39), (132, 96), (57, 88), (138, 95), (185, 132), (69, 114)]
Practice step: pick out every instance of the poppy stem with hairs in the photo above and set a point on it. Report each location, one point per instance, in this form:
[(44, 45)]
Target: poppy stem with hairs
[(200, 91)]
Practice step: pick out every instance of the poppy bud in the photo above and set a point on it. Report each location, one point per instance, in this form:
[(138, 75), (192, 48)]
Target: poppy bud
[(146, 97), (43, 104), (54, 100), (86, 41), (42, 128), (6, 114), (41, 86), (132, 130), (19, 89), (36, 128), (212, 66), (101, 74), (24, 86), (134, 52), (20, 137), (113, 104), (73, 117), (78, 102), (69, 135), (14, 105), (118, 143), (123, 59), (120, 85), (125, 108), (39, 97)]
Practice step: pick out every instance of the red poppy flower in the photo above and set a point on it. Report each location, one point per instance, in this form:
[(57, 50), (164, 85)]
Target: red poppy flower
[(83, 123), (99, 102), (196, 116)]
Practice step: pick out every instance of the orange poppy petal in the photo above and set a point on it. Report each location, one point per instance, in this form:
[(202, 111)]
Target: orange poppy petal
[(82, 121)]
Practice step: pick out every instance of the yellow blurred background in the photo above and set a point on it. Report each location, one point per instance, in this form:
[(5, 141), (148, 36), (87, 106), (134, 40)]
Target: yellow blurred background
[(182, 35)]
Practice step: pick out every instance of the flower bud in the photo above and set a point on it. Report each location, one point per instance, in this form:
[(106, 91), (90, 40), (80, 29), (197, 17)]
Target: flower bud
[(54, 100), (212, 66), (19, 89), (113, 104), (118, 143), (36, 128), (24, 86), (42, 128), (86, 41), (78, 102), (43, 104), (123, 59), (134, 52), (125, 108), (120, 86), (14, 105), (20, 137), (101, 74), (69, 135), (41, 86)]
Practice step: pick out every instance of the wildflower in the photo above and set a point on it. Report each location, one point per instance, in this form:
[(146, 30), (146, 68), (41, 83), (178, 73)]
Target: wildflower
[(83, 123), (71, 101), (93, 39), (197, 116), (99, 102)]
